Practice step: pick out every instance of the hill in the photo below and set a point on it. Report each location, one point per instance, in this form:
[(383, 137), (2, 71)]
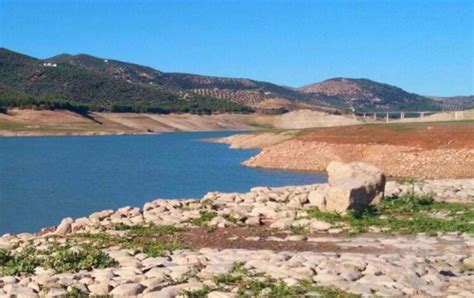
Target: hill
[(83, 82), (238, 90), (453, 103), (364, 95), (91, 83)]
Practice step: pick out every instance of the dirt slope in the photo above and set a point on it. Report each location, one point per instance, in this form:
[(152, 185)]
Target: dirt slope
[(418, 150), (33, 122)]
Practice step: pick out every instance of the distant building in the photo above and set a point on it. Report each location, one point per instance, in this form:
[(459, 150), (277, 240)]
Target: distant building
[(105, 60), (49, 64)]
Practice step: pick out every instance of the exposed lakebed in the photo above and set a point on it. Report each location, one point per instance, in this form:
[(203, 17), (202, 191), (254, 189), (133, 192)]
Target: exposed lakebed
[(44, 179)]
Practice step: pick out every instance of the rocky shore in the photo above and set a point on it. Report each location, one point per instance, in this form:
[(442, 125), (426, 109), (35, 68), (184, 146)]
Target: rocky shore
[(267, 242)]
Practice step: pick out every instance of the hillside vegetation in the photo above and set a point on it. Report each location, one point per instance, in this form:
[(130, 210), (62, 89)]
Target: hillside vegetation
[(367, 95), (28, 82), (83, 83)]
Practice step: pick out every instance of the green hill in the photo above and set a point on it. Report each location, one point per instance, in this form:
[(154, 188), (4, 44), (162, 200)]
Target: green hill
[(26, 80), (83, 82)]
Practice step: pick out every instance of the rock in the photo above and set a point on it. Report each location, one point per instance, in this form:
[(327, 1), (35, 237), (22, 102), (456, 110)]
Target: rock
[(77, 286), (21, 292), (353, 186), (56, 292), (282, 224), (64, 227), (326, 277), (99, 289), (296, 238), (152, 284), (173, 291), (220, 294), (468, 263), (80, 224), (220, 222), (216, 269), (252, 238), (9, 280), (317, 197), (253, 221), (130, 289), (101, 215), (319, 225)]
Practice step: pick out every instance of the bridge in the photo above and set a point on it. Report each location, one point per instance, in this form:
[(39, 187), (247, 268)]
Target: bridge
[(457, 115)]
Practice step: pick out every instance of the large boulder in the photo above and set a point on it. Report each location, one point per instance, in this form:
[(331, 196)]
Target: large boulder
[(64, 227), (353, 186)]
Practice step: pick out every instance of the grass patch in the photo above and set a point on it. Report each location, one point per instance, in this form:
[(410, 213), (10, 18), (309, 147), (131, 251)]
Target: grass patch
[(61, 258), (22, 262), (258, 285), (272, 288), (153, 240), (148, 230), (408, 214), (205, 216), (201, 293), (408, 181)]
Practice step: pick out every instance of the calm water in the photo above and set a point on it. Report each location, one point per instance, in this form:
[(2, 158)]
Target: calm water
[(44, 179)]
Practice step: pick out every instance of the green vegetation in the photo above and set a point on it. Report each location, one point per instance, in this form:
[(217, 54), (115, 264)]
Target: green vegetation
[(150, 230), (195, 105), (15, 99), (258, 285), (90, 84), (64, 258), (22, 262), (205, 216), (87, 82), (61, 258), (152, 240), (407, 214)]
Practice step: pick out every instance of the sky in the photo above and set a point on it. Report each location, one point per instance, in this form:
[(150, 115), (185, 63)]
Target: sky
[(426, 47)]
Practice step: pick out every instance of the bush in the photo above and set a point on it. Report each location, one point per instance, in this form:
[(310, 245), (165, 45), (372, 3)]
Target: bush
[(61, 258)]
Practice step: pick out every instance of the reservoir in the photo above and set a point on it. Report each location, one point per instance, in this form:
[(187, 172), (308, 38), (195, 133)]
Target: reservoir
[(44, 179)]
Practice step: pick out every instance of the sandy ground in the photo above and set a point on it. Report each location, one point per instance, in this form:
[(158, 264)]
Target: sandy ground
[(31, 122), (418, 150), (256, 140)]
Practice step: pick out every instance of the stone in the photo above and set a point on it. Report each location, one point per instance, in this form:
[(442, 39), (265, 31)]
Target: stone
[(101, 215), (152, 284), (353, 186), (326, 277), (130, 289), (173, 291), (9, 280), (317, 197), (56, 292), (296, 238), (220, 294), (319, 225), (21, 292), (253, 221), (282, 224), (252, 238), (468, 263), (64, 227), (99, 289)]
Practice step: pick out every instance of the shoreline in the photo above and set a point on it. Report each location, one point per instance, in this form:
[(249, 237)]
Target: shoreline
[(168, 246)]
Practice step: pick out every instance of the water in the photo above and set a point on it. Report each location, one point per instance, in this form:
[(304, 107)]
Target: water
[(44, 179)]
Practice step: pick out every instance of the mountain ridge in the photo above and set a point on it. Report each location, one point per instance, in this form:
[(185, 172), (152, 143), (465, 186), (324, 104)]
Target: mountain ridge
[(109, 84)]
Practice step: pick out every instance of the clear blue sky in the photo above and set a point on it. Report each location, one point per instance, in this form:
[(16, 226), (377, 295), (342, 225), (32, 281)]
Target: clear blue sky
[(421, 46)]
